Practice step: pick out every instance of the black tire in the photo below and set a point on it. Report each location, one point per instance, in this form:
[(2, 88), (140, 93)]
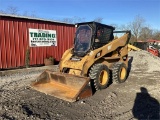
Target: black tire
[(100, 76), (119, 72)]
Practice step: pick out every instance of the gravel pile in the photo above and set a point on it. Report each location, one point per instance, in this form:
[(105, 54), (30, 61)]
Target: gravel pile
[(145, 60)]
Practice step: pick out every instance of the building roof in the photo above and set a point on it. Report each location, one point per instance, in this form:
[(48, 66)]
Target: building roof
[(32, 18), (151, 40)]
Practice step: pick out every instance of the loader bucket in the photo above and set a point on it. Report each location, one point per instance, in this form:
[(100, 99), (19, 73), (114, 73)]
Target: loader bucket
[(64, 86)]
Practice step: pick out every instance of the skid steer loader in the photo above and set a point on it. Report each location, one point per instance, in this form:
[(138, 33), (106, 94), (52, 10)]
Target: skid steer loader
[(89, 64)]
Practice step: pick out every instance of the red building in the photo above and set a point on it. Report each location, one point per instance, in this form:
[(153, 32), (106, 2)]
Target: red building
[(18, 33)]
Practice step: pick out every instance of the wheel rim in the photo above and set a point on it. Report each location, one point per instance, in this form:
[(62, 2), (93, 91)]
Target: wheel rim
[(123, 73), (103, 78)]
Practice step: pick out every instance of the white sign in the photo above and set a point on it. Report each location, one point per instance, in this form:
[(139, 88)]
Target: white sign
[(41, 37)]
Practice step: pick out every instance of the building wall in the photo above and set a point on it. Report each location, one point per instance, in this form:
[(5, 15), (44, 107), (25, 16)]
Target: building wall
[(14, 40)]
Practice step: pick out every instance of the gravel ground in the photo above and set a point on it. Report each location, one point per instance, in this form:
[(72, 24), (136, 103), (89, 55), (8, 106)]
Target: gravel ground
[(137, 98)]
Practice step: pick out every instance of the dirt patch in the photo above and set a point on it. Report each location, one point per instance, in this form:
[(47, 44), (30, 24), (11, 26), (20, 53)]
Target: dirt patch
[(137, 98)]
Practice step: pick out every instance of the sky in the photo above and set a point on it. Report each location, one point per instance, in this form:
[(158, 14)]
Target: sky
[(112, 11)]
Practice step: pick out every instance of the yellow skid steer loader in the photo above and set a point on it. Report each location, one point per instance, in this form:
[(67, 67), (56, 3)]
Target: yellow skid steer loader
[(89, 64)]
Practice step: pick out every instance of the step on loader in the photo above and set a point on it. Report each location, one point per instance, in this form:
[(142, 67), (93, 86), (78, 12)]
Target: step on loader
[(89, 64)]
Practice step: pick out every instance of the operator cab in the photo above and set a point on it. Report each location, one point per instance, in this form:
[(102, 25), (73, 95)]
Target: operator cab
[(83, 38), (90, 36)]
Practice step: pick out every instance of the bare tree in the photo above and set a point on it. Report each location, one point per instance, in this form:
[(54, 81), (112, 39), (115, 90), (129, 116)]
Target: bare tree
[(27, 14), (67, 20), (77, 19), (123, 27), (145, 33), (15, 11), (156, 35), (12, 10), (72, 20), (98, 19), (2, 11), (115, 26), (136, 26)]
